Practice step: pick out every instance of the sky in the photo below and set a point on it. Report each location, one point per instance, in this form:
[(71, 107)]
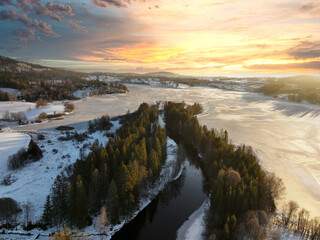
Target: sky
[(194, 37)]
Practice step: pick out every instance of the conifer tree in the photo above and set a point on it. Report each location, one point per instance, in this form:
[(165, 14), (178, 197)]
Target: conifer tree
[(47, 212), (113, 202), (81, 203)]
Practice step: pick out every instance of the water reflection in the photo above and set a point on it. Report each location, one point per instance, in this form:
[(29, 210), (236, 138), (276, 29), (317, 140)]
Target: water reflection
[(153, 218)]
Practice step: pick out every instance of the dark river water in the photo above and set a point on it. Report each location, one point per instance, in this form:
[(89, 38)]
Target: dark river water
[(170, 209)]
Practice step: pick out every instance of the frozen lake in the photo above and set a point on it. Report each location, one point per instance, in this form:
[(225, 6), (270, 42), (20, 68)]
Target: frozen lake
[(285, 135)]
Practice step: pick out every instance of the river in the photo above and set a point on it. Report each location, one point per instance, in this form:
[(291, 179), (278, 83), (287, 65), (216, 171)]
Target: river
[(169, 210), (284, 135)]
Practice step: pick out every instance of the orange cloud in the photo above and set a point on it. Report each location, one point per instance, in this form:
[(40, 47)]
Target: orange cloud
[(135, 53)]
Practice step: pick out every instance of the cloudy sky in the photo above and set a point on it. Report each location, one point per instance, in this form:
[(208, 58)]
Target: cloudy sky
[(199, 37)]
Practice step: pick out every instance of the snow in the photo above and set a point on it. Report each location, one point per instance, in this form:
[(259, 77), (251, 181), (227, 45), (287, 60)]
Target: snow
[(11, 91), (81, 93), (10, 143), (182, 86), (194, 227), (268, 124), (276, 229), (15, 107), (91, 78), (109, 79), (30, 109), (36, 179)]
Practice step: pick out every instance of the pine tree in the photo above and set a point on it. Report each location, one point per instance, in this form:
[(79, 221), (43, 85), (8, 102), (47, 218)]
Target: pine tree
[(154, 163), (59, 199), (157, 147), (47, 212), (113, 202), (34, 151), (94, 190), (81, 204)]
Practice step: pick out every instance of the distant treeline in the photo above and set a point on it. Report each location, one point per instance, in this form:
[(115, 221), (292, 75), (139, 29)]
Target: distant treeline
[(242, 194), (32, 88), (37, 71), (114, 175), (298, 89)]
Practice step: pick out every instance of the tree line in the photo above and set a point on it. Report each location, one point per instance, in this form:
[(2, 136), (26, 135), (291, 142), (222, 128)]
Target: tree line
[(297, 89), (241, 192), (114, 175), (32, 88)]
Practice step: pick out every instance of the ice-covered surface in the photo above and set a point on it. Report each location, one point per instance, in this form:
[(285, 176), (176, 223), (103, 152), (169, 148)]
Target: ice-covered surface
[(30, 109), (10, 143), (194, 227)]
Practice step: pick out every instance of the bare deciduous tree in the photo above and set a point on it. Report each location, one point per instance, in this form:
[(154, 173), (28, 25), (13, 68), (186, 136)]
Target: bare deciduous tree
[(289, 211), (28, 211)]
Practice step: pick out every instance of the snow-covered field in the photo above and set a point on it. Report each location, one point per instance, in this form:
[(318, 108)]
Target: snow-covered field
[(34, 181), (10, 143), (29, 109)]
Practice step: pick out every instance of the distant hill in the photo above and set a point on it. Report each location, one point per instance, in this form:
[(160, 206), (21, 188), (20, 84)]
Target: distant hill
[(303, 78), (162, 74), (35, 70)]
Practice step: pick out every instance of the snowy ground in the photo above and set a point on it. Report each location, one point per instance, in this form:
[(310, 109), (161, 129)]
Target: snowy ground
[(11, 91), (194, 227), (10, 143), (33, 182), (37, 186), (29, 109), (81, 93), (274, 230)]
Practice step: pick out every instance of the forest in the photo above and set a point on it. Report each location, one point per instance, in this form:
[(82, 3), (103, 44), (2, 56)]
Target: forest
[(242, 193), (32, 88), (298, 88), (112, 176)]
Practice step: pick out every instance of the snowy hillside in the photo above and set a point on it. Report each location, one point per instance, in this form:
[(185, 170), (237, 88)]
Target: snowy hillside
[(37, 178)]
